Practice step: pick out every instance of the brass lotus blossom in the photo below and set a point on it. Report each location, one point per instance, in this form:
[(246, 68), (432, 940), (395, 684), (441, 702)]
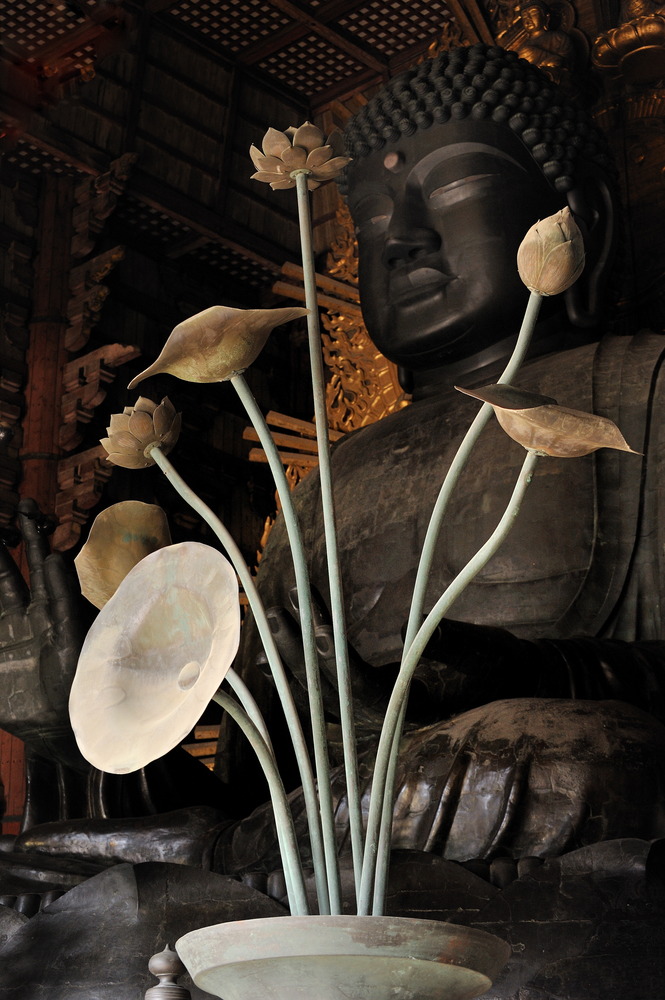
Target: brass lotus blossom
[(138, 426), (218, 343), (120, 537), (539, 424), (551, 255), (304, 148)]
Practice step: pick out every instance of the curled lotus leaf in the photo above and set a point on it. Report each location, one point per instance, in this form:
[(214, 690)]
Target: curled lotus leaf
[(554, 430), (120, 537), (154, 657), (218, 343), (509, 397)]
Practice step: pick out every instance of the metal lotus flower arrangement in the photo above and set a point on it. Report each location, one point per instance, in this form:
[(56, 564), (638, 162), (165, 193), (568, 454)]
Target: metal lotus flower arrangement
[(144, 423), (304, 148), (217, 345)]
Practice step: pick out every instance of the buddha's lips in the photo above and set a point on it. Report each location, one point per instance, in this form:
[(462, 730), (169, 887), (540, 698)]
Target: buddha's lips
[(407, 283)]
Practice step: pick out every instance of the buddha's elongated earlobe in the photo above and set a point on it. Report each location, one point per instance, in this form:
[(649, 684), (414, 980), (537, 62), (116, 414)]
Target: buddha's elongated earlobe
[(594, 206)]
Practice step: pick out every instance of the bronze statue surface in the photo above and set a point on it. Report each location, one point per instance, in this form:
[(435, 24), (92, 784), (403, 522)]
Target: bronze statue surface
[(532, 776)]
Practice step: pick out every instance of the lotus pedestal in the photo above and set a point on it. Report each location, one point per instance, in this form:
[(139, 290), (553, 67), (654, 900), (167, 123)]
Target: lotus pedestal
[(342, 958)]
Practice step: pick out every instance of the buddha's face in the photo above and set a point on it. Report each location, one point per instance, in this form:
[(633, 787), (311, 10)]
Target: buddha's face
[(534, 19), (439, 217)]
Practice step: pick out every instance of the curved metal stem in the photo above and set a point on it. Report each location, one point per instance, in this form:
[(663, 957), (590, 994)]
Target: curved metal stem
[(256, 604), (334, 572), (400, 692), (425, 564), (246, 699), (323, 846), (286, 834)]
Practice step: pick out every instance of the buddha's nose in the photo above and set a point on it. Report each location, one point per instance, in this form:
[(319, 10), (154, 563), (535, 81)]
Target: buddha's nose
[(408, 244)]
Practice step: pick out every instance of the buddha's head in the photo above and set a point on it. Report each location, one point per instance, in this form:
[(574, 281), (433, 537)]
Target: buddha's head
[(452, 163), (534, 17)]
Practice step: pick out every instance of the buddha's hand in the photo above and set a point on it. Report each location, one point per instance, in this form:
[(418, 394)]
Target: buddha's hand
[(462, 667), (370, 690), (41, 633)]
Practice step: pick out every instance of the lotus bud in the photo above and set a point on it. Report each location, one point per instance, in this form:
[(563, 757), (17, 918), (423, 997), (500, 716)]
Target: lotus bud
[(304, 148), (139, 426), (218, 343), (551, 255), (539, 424), (120, 537)]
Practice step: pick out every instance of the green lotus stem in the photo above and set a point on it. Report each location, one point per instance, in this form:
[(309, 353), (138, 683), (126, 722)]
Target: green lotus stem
[(408, 668), (334, 573), (425, 565), (248, 702), (324, 851), (277, 668), (286, 834), (457, 466)]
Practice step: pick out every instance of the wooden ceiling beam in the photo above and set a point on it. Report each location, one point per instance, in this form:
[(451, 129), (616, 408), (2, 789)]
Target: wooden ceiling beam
[(163, 198)]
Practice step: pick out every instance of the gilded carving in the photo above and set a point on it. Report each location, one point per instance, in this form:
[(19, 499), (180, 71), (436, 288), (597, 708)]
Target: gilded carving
[(545, 35)]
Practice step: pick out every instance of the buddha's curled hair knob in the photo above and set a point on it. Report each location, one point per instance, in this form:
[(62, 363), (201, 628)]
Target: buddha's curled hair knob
[(166, 966)]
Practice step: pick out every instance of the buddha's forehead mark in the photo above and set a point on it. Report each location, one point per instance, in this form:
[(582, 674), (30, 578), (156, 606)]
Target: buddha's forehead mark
[(457, 149)]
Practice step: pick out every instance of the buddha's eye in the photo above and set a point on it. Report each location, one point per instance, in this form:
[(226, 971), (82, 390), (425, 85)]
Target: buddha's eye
[(372, 215), (373, 225), (464, 187)]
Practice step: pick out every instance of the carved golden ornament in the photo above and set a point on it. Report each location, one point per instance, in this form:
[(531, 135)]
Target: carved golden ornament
[(545, 35), (450, 37), (363, 387), (635, 49)]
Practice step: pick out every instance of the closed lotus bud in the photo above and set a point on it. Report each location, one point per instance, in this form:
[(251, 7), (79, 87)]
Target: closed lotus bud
[(551, 255), (138, 426)]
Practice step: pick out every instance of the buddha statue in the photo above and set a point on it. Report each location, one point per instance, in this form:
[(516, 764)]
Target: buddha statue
[(531, 787)]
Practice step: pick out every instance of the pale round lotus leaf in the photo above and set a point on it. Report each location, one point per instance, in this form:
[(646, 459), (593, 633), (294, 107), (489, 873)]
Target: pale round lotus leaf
[(155, 656), (218, 343), (560, 432), (120, 537), (507, 396)]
